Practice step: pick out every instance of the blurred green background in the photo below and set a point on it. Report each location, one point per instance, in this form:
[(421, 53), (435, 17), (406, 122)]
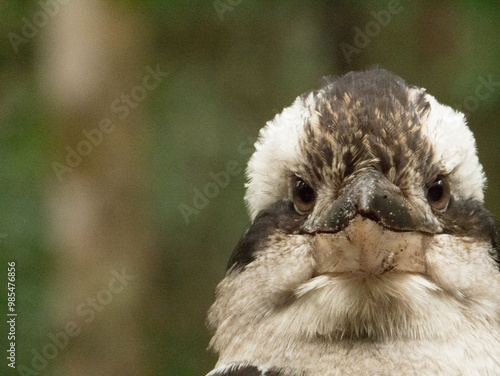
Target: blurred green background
[(131, 202)]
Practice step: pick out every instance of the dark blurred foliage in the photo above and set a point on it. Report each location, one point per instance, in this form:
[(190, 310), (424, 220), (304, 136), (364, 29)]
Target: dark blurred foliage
[(228, 76)]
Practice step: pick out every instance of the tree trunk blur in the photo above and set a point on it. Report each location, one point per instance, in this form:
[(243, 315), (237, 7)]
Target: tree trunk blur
[(91, 56)]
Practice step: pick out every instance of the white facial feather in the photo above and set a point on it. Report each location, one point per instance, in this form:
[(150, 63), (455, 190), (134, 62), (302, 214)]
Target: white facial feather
[(455, 149), (277, 157)]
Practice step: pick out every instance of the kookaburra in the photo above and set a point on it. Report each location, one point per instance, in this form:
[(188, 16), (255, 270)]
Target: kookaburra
[(370, 251)]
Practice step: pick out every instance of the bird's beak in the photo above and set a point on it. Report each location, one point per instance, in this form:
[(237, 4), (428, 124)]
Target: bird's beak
[(372, 196)]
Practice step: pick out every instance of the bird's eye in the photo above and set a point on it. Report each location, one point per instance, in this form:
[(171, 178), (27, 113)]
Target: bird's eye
[(438, 194), (304, 197)]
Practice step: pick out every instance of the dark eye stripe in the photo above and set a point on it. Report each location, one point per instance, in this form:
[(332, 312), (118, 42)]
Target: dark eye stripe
[(278, 217), (470, 218)]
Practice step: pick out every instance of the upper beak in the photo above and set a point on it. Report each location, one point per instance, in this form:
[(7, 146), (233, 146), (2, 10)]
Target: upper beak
[(372, 196)]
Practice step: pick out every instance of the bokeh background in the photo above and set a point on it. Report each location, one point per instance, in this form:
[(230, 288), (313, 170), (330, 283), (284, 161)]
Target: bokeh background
[(118, 119)]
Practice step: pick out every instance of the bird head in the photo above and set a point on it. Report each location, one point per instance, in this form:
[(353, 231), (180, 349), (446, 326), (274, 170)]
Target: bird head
[(368, 223)]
